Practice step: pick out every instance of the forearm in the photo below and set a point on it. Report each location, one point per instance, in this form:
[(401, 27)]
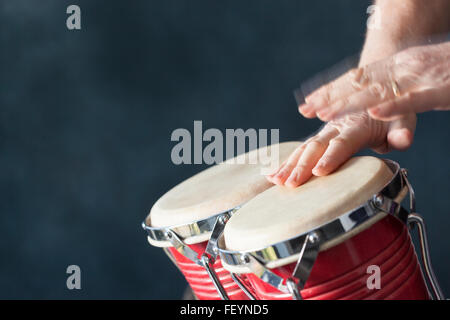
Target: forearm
[(403, 23)]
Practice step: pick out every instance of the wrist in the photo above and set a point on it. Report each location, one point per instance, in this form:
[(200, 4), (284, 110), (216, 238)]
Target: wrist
[(404, 23)]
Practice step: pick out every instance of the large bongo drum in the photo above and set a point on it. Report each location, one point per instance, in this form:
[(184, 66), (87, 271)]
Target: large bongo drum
[(187, 220), (342, 236)]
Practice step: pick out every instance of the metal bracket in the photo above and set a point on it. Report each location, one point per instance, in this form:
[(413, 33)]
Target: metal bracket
[(258, 269), (308, 255), (208, 258), (415, 219), (238, 281), (305, 262), (412, 195), (182, 248), (412, 219), (388, 205), (211, 248), (208, 265), (211, 252)]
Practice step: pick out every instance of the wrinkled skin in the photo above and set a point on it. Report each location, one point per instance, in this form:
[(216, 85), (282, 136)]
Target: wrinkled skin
[(338, 140), (375, 105), (414, 80)]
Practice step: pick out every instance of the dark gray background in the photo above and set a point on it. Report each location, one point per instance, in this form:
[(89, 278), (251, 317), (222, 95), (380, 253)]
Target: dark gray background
[(86, 118)]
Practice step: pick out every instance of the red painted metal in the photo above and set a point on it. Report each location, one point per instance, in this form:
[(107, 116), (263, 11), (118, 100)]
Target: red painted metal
[(341, 271), (198, 278)]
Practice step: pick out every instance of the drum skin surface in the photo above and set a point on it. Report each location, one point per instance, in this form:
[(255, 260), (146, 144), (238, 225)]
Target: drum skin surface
[(342, 270), (281, 213), (214, 190), (217, 189)]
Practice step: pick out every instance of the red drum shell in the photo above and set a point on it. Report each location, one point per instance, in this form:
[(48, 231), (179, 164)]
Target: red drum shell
[(341, 271), (198, 278)]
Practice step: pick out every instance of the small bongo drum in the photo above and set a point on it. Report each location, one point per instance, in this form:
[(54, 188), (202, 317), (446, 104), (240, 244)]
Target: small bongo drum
[(187, 220), (341, 236)]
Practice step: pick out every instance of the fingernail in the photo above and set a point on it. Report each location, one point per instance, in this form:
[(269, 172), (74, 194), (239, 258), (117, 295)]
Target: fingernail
[(291, 181), (276, 171), (318, 168), (280, 174), (324, 114), (304, 108)]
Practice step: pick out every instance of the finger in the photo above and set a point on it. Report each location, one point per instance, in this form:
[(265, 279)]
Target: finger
[(372, 95), (353, 81), (307, 111), (335, 90), (277, 170), (310, 156), (339, 150), (269, 177), (401, 132), (413, 102), (286, 170), (308, 159)]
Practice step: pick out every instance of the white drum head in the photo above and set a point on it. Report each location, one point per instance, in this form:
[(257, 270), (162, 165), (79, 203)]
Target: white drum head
[(281, 213), (214, 190)]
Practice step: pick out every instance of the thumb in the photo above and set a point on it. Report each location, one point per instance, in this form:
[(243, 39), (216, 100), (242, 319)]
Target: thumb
[(401, 132)]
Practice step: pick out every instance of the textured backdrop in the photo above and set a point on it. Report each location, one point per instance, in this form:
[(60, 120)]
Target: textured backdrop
[(86, 118)]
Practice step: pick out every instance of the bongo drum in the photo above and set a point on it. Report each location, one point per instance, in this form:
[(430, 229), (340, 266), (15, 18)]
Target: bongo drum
[(187, 220), (341, 236)]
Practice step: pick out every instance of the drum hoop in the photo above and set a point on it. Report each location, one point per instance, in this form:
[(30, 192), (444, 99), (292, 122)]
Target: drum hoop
[(192, 229), (378, 203)]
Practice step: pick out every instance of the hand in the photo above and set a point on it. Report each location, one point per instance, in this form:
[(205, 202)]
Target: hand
[(411, 81), (337, 141)]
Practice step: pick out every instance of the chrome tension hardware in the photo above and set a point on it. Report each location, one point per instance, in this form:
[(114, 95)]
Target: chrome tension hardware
[(305, 263), (211, 252), (415, 219), (293, 289), (412, 195), (238, 281), (293, 285), (208, 265), (412, 219), (388, 205), (208, 258), (182, 248), (202, 227), (211, 249)]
